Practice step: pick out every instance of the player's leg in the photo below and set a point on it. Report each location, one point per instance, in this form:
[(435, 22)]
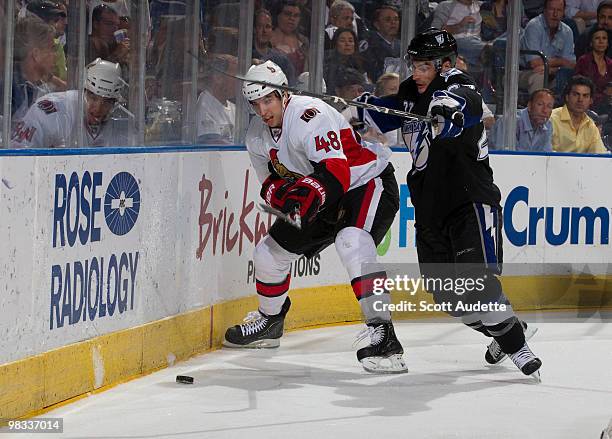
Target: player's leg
[(476, 240), (368, 213), (272, 259), (263, 328), (436, 264)]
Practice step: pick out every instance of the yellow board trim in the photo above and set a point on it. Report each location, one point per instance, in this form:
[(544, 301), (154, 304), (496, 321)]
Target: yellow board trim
[(42, 382)]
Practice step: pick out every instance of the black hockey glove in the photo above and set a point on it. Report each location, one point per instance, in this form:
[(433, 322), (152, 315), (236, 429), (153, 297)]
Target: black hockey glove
[(306, 196), (446, 109)]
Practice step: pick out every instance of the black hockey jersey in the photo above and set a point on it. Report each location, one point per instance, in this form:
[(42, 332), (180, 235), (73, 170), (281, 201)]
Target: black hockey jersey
[(446, 173)]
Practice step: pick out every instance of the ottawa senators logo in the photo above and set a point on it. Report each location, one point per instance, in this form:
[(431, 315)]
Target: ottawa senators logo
[(281, 169), (309, 114), (47, 106), (21, 132)]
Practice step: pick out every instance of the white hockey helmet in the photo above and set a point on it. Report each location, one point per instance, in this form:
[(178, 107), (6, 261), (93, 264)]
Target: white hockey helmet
[(268, 72), (104, 79)]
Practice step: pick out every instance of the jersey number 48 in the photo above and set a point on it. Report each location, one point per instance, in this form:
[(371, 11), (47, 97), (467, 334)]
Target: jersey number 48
[(323, 144)]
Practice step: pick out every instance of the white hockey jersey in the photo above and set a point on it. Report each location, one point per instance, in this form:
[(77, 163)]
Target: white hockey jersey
[(53, 118), (312, 131)]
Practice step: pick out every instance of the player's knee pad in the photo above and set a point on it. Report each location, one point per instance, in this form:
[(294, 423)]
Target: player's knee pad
[(272, 262), (357, 251)]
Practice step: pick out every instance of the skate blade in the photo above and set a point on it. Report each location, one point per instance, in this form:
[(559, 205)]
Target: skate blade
[(266, 343), (530, 332), (536, 377), (385, 365)]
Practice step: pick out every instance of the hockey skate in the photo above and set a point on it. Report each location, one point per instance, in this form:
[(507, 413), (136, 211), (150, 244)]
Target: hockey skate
[(527, 362), (258, 330), (494, 353), (384, 354)]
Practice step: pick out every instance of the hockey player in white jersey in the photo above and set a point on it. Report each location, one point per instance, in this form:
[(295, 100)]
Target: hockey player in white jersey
[(53, 118), (308, 160)]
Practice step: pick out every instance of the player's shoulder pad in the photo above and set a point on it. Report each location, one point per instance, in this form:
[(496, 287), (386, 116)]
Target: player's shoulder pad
[(455, 78), (304, 109)]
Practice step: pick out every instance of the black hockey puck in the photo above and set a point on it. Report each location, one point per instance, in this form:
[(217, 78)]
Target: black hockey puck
[(184, 379)]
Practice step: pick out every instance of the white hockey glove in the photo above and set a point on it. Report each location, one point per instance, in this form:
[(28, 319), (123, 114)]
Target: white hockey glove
[(446, 110)]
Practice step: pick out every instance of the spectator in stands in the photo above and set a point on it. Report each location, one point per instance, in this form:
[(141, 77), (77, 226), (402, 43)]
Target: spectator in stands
[(350, 84), (343, 55), (262, 28), (604, 20), (34, 64), (573, 130), (533, 126), (383, 53), (583, 12), (60, 24), (119, 6), (341, 15), (387, 84), (494, 15), (596, 66), (305, 23), (340, 12), (462, 18), (102, 41), (546, 33), (55, 15), (262, 47), (216, 111), (286, 37)]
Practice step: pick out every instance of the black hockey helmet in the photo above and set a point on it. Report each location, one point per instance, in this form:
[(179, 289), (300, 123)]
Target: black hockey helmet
[(433, 44)]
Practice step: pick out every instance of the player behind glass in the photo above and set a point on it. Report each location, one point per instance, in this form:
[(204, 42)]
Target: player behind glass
[(53, 118), (307, 158), (457, 204)]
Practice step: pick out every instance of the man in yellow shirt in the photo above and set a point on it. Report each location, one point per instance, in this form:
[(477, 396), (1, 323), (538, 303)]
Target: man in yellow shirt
[(573, 130)]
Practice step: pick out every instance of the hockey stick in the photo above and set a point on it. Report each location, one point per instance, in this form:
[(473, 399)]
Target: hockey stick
[(295, 222), (330, 99)]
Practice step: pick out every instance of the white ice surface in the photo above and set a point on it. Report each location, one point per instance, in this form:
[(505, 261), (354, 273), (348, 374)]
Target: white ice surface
[(313, 387)]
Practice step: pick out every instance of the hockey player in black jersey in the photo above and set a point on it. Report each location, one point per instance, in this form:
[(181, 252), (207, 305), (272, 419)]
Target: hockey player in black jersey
[(457, 205)]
